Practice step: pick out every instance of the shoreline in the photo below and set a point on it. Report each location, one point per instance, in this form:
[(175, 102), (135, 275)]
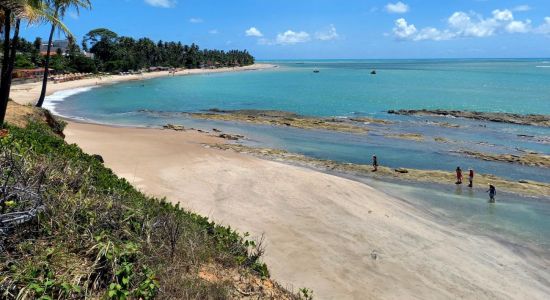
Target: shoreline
[(324, 232), (28, 93), (400, 175)]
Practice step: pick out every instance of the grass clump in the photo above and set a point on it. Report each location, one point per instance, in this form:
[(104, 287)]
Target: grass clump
[(92, 235)]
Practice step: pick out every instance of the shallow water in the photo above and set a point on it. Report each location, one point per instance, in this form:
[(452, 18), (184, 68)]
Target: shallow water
[(521, 222), (346, 89)]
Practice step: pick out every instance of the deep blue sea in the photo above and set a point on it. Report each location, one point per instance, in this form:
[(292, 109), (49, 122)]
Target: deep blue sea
[(346, 88)]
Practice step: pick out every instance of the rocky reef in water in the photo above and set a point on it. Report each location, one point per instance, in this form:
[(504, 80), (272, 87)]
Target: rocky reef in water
[(530, 119), (283, 118)]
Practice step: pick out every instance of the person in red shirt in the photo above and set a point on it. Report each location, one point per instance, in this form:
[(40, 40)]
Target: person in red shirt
[(458, 175)]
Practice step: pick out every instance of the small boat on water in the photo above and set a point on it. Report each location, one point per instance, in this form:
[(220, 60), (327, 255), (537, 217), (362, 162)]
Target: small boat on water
[(315, 71), (373, 72)]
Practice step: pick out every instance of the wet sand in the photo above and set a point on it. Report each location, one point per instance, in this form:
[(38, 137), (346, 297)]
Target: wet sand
[(341, 238), (523, 187)]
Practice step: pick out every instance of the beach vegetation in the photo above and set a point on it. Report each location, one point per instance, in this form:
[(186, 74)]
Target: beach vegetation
[(70, 228)]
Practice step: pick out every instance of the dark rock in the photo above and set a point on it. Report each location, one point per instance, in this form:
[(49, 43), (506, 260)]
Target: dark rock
[(174, 127), (232, 137)]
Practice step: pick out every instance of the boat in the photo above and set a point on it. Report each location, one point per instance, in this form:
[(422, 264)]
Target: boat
[(315, 71), (373, 72)]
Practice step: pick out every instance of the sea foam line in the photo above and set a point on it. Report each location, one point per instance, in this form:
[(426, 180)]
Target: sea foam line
[(51, 101)]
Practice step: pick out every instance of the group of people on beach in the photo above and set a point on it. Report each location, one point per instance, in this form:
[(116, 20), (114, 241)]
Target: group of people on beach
[(492, 190)]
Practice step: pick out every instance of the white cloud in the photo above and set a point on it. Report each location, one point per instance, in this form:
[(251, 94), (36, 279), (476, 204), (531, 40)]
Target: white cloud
[(434, 34), (522, 8), (213, 31), (253, 31), (196, 20), (403, 30), (461, 24), (291, 37), (161, 3), (73, 15), (327, 35), (397, 8), (545, 27), (503, 15), (519, 26)]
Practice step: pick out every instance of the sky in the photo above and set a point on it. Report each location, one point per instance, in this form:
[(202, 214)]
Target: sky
[(329, 29)]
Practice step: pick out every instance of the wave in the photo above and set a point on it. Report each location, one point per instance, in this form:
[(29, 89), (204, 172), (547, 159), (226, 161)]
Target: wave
[(51, 101)]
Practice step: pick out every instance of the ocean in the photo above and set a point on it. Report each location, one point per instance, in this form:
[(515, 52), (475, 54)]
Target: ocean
[(345, 89)]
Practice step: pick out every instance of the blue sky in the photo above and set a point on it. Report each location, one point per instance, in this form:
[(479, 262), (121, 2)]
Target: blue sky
[(288, 29)]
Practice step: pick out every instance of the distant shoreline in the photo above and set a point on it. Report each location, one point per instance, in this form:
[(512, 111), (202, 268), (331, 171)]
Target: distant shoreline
[(28, 93)]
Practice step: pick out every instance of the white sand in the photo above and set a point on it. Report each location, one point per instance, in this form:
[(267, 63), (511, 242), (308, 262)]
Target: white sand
[(323, 231), (29, 92)]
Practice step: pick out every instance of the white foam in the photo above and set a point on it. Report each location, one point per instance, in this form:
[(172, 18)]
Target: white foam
[(51, 101), (543, 66)]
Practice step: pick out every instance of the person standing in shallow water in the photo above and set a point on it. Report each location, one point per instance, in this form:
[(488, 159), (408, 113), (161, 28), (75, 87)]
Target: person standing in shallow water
[(471, 178), (374, 163), (492, 192), (458, 175)]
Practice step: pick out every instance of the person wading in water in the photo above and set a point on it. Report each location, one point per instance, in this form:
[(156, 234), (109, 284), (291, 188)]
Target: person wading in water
[(471, 178), (492, 192), (374, 163), (458, 175)]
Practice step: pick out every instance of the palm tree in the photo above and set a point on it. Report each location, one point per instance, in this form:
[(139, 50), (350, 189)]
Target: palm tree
[(59, 8), (14, 11)]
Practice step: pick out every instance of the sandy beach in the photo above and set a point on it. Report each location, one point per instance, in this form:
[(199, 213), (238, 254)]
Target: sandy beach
[(29, 92), (340, 238)]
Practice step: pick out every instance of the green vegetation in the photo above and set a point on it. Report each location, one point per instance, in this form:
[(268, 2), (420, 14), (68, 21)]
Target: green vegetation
[(120, 53), (85, 233), (73, 60)]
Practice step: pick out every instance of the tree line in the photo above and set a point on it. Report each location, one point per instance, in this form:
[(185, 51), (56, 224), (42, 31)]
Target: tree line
[(120, 53), (111, 52)]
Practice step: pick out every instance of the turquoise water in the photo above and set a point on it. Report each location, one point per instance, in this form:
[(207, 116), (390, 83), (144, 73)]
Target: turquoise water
[(341, 88), (346, 89)]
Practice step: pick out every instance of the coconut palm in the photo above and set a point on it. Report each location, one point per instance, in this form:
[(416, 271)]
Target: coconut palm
[(12, 12), (59, 8)]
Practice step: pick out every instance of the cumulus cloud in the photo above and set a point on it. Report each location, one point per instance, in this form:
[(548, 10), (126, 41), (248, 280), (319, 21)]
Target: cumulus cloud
[(290, 37), (397, 8), (519, 26), (434, 34), (462, 24), (161, 3), (403, 30), (327, 35), (196, 20), (253, 31), (545, 27)]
